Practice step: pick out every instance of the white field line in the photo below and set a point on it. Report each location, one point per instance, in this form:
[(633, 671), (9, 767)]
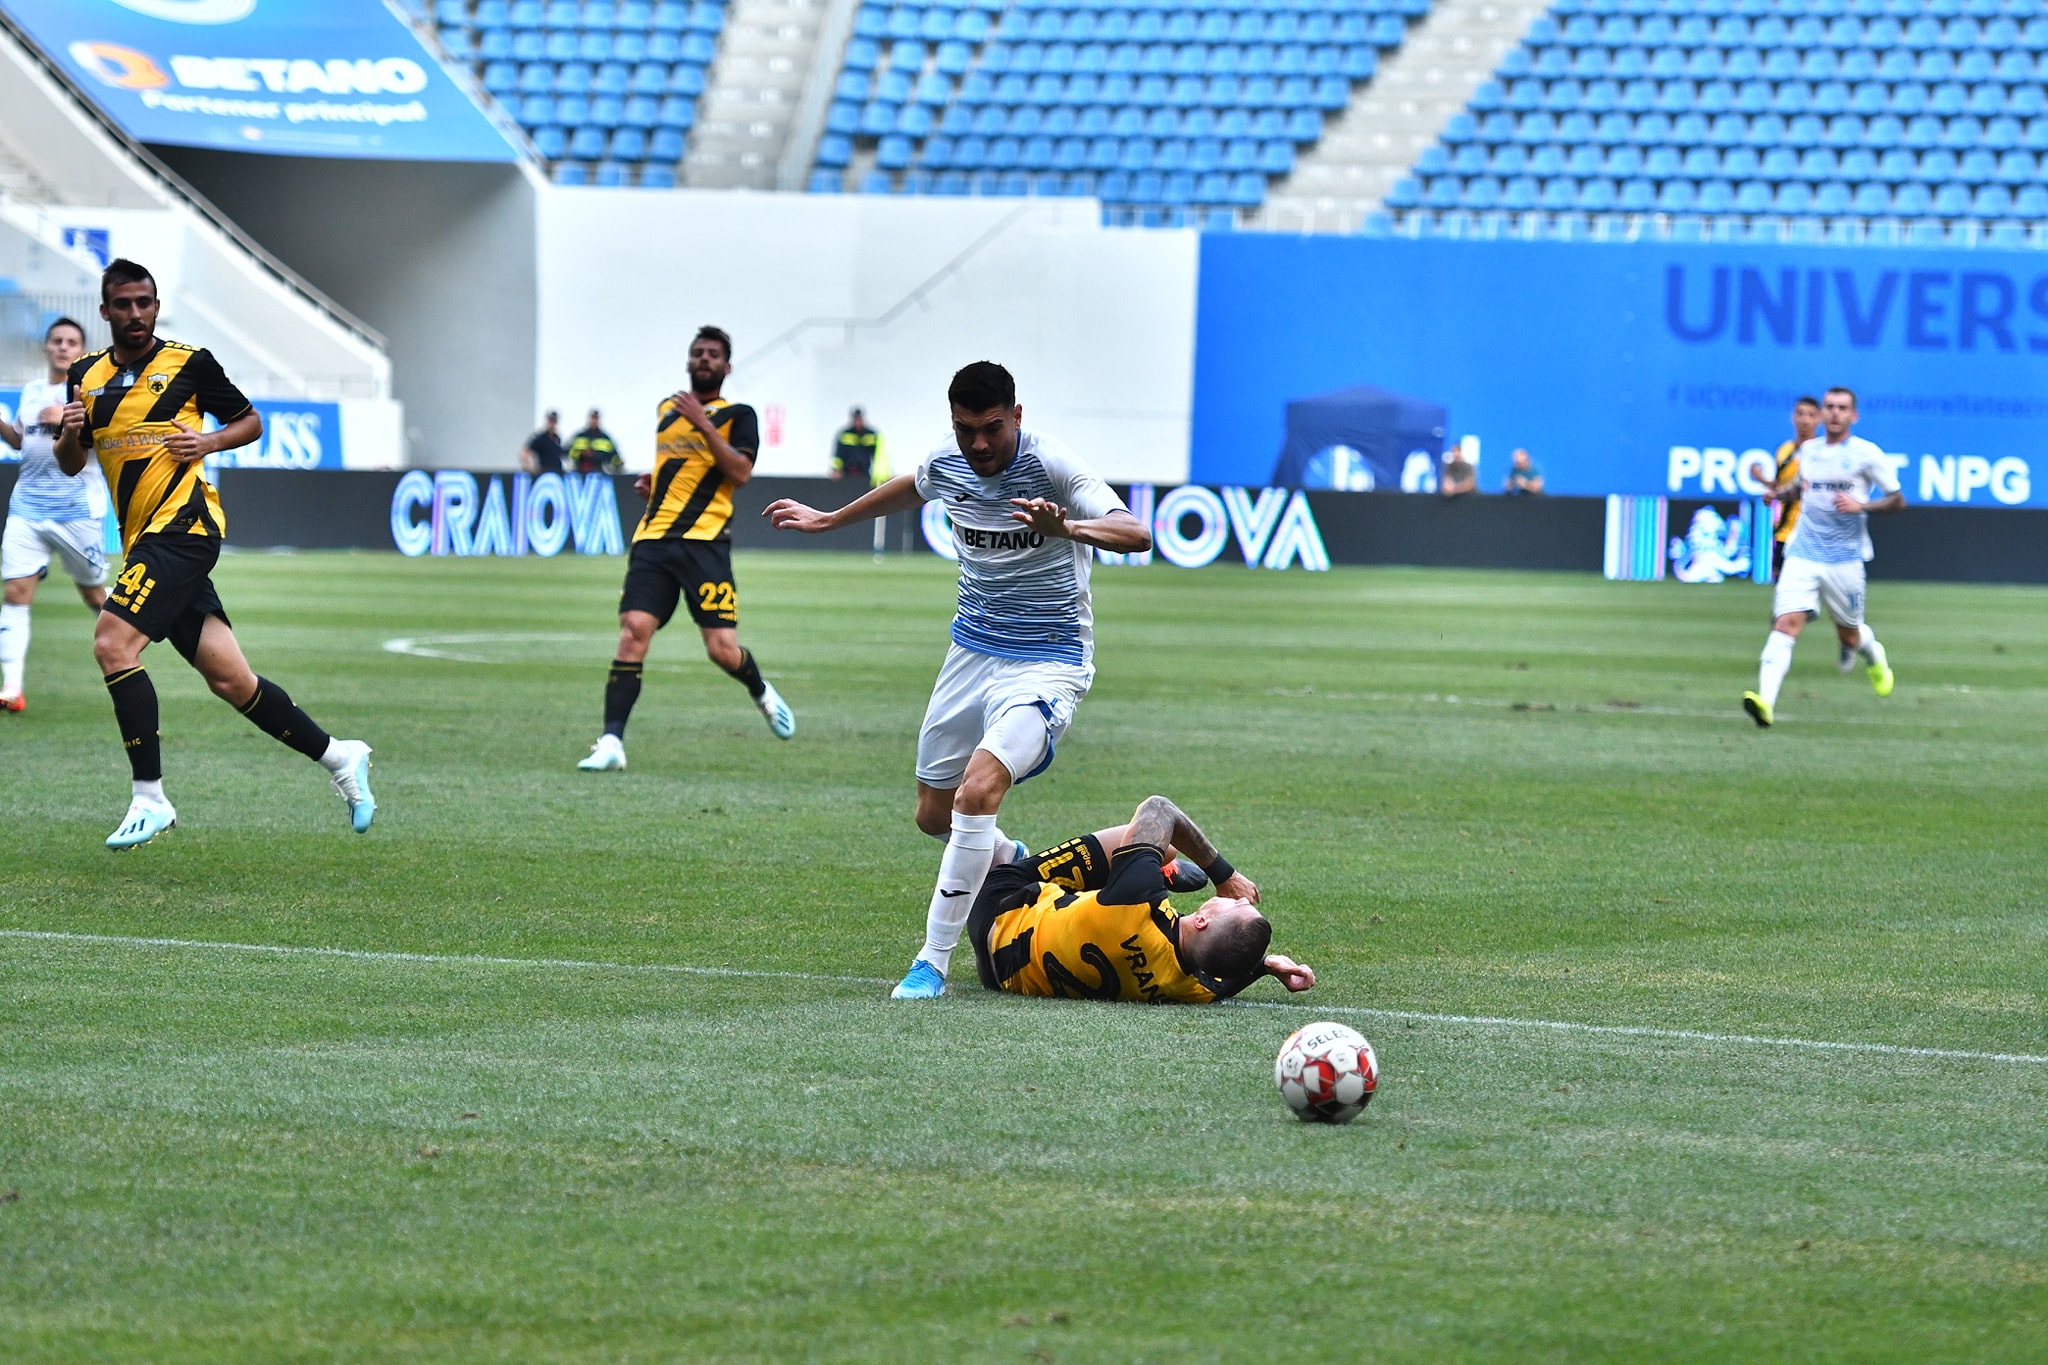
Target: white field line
[(674, 969)]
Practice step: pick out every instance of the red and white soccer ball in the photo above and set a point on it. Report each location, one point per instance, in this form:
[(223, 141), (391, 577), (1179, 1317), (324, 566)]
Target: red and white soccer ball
[(1326, 1073)]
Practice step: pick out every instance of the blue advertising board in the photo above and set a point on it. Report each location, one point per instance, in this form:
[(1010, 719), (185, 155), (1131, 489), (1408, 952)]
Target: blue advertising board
[(1631, 368), (334, 78)]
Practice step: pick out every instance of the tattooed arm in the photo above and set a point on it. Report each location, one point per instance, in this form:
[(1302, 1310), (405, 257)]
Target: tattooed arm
[(1166, 826)]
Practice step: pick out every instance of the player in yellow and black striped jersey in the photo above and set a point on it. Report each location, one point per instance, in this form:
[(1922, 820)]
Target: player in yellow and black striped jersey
[(1090, 920), (139, 406), (682, 549), (1783, 476)]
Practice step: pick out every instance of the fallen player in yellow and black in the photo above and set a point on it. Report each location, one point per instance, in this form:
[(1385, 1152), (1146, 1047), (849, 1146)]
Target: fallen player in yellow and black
[(1090, 920)]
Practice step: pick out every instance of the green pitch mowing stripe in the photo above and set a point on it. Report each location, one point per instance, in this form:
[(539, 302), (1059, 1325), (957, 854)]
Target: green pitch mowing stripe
[(1341, 1011), (1481, 805)]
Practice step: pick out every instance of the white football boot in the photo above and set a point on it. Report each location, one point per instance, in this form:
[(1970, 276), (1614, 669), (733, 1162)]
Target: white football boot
[(780, 718), (606, 756), (144, 821)]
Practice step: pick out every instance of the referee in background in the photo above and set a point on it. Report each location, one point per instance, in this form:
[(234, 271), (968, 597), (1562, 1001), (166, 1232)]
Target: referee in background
[(857, 455)]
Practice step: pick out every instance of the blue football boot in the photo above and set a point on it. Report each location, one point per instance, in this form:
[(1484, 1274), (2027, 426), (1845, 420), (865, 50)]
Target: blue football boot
[(921, 982)]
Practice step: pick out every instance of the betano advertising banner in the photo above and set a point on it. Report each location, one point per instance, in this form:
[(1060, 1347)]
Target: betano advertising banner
[(335, 78), (1625, 368)]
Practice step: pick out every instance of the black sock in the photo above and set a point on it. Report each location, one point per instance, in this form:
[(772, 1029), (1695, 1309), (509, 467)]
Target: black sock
[(274, 713), (621, 690), (749, 673), (134, 697)]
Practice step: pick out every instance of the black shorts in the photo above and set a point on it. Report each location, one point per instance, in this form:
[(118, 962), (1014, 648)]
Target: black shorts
[(1078, 864), (165, 589), (697, 572)]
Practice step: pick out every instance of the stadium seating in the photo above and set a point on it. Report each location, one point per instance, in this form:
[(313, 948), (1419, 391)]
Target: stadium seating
[(606, 91), (1169, 114), (1839, 120)]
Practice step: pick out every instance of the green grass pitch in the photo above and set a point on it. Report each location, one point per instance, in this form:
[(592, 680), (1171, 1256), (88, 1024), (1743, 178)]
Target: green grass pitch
[(1486, 796)]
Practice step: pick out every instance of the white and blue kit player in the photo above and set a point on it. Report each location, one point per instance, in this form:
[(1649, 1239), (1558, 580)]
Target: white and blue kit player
[(1842, 479), (1024, 514), (51, 514)]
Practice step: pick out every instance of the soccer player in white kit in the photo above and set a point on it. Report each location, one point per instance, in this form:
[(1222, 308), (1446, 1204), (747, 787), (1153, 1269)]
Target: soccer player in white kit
[(50, 515), (1838, 473), (1025, 513)]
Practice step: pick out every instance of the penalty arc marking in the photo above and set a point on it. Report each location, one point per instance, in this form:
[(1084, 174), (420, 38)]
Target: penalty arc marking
[(1356, 1011)]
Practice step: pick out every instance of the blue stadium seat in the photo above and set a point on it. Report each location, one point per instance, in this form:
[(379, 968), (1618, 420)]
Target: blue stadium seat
[(572, 110), (835, 149), (665, 145), (822, 182), (587, 143), (551, 143)]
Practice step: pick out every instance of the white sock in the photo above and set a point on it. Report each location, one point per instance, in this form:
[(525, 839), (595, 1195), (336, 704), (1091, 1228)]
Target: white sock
[(334, 758), (1005, 849), (962, 870), (151, 791), (1868, 649), (13, 647), (1777, 661)]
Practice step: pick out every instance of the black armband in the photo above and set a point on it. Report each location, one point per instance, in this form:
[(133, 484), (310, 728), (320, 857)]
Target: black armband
[(1220, 871)]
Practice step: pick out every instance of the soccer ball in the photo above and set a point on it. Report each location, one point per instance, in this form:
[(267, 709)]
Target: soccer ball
[(1326, 1073)]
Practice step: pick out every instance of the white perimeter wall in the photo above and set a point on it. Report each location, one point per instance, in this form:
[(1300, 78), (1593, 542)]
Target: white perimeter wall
[(1097, 325)]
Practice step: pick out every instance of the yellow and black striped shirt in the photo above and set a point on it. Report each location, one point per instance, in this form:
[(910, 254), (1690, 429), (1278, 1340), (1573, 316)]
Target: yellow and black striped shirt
[(1065, 926), (1788, 471), (691, 498), (129, 410)]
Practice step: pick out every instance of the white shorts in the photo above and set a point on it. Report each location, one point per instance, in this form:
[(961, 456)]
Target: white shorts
[(1808, 585), (27, 546), (1016, 709)]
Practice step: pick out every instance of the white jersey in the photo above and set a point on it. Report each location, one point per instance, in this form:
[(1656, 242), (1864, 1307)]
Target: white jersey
[(42, 491), (1022, 595), (1855, 467)]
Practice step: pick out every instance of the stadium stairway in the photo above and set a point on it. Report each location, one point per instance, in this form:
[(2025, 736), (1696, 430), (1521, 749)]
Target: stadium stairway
[(1846, 121), (753, 91), (1342, 178)]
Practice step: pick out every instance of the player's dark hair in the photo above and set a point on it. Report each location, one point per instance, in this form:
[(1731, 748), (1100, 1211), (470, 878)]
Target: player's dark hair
[(1844, 388), (982, 386), (72, 323), (1807, 400), (123, 271), (1236, 948), (718, 334)]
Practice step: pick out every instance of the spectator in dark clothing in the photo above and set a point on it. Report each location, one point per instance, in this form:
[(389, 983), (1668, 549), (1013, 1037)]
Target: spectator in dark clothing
[(1460, 476), (855, 451), (1524, 478), (593, 451), (542, 453)]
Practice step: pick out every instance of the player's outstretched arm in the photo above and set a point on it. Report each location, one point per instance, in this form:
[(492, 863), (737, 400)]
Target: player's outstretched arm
[(897, 495), (1161, 823), (1890, 502), (1295, 976), (1118, 530)]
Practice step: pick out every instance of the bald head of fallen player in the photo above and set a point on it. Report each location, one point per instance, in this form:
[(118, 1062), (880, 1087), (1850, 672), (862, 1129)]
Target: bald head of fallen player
[(1226, 938)]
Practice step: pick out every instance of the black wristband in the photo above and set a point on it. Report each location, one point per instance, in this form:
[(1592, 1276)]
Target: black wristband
[(1219, 871)]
